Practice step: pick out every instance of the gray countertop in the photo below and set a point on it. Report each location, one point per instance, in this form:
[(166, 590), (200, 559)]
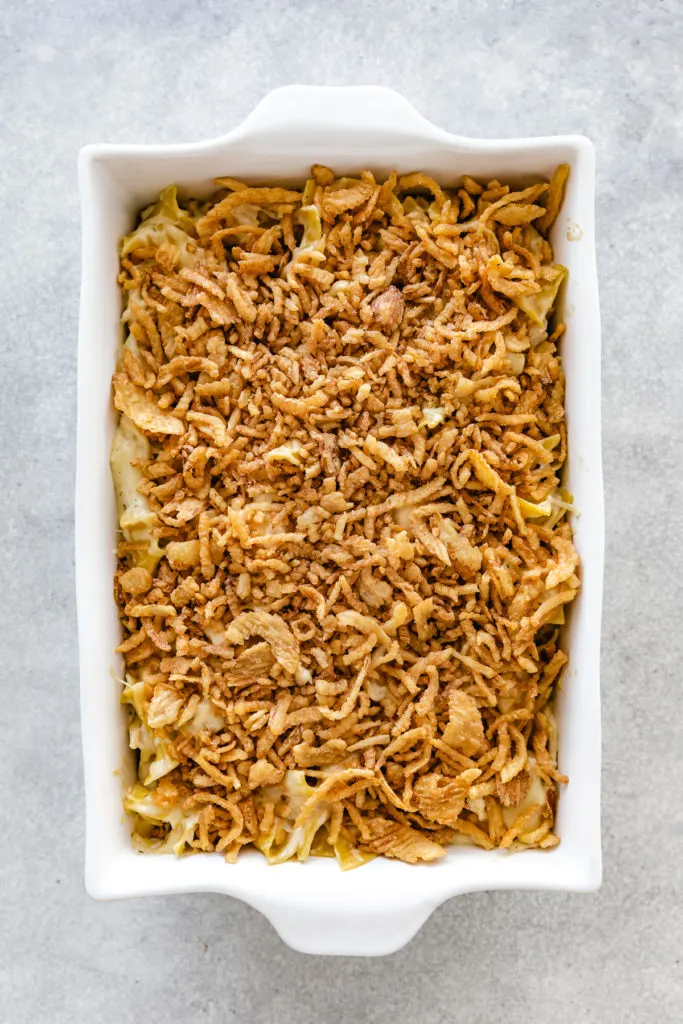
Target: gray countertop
[(74, 73)]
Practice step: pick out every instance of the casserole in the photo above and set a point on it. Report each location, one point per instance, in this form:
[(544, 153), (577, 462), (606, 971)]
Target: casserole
[(314, 907)]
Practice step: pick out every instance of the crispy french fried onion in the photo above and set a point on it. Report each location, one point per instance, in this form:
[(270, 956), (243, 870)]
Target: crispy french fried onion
[(344, 558)]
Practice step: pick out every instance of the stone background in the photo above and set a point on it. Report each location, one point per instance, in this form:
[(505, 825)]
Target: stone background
[(72, 73)]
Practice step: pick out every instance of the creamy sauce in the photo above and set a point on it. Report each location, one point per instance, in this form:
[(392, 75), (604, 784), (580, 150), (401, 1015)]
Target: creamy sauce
[(134, 508), (207, 718)]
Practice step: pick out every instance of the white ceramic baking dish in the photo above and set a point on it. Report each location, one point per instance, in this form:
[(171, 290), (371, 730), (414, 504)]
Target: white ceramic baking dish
[(314, 906)]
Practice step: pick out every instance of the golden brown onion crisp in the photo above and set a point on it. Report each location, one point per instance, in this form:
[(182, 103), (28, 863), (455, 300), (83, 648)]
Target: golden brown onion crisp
[(345, 558)]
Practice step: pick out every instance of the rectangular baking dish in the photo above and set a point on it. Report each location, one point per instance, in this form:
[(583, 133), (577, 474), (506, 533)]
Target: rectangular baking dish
[(314, 906)]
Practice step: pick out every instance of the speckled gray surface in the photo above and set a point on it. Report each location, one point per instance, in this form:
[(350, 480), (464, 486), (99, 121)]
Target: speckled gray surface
[(73, 73)]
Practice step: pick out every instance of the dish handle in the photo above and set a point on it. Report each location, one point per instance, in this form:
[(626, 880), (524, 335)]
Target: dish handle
[(351, 932), (357, 107)]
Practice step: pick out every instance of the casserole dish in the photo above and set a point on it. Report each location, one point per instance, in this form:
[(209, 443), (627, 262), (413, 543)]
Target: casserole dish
[(315, 907)]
